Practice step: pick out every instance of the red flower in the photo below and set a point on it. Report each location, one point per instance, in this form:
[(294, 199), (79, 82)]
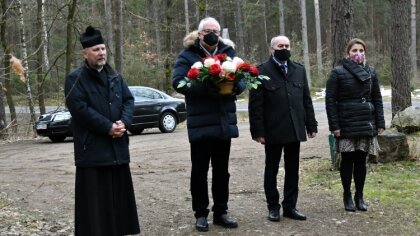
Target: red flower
[(193, 73), (244, 67), (230, 77), (253, 70), (220, 57), (215, 69)]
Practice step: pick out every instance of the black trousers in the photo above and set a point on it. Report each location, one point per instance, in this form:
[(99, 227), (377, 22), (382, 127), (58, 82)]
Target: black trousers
[(291, 177), (202, 152)]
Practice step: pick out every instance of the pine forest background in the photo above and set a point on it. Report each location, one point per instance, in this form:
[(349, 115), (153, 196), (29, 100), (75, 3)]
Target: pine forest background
[(145, 36)]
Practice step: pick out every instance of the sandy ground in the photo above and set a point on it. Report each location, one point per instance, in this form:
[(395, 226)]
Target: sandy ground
[(37, 181)]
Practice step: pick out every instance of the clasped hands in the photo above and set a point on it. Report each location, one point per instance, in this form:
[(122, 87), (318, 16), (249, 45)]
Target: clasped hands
[(118, 129), (262, 139), (337, 133)]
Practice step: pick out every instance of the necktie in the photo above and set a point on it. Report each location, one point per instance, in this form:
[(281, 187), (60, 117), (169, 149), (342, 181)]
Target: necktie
[(283, 68)]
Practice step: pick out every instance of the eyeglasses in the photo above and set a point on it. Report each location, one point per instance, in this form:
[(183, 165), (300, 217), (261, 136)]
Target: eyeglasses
[(208, 31)]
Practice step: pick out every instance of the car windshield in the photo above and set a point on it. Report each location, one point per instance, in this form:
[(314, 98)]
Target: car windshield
[(141, 94)]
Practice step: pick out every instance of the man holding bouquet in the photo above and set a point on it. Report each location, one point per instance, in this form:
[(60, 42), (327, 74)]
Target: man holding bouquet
[(211, 123)]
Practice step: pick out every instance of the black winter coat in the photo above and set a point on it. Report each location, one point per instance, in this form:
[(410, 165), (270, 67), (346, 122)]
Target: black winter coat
[(281, 109), (353, 101), (209, 115), (95, 106)]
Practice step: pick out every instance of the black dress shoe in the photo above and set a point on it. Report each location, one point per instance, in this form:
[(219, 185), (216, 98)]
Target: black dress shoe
[(294, 214), (274, 215), (201, 224), (225, 221)]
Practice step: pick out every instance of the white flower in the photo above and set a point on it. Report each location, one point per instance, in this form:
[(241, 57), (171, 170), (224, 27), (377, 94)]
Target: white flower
[(237, 61), (209, 61), (228, 59), (229, 66), (197, 65)]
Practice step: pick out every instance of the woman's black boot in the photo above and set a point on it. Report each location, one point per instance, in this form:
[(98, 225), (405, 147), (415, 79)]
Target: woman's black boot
[(359, 179), (348, 202), (360, 204)]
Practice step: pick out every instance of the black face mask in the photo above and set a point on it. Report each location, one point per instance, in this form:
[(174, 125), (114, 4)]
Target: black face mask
[(211, 39), (282, 55)]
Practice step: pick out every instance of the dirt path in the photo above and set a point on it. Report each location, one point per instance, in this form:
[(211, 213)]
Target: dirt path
[(37, 178)]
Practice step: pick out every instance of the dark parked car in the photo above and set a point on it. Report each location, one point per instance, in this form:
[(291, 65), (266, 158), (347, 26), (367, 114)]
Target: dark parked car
[(152, 109), (55, 125)]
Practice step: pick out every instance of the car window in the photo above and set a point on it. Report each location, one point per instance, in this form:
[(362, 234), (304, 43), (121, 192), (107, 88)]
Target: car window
[(145, 94)]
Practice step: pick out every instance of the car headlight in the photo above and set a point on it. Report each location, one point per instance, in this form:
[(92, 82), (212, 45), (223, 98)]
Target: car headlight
[(61, 117)]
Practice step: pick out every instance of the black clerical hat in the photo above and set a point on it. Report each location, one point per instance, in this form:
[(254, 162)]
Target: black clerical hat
[(91, 37)]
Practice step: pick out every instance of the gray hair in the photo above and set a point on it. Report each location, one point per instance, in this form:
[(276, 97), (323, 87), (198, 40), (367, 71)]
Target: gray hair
[(274, 39), (205, 20)]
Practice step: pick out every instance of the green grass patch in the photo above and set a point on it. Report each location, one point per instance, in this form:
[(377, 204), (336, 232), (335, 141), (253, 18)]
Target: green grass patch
[(3, 202), (393, 184)]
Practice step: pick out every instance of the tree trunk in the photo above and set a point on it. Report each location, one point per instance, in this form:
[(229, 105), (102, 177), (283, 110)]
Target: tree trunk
[(413, 48), (197, 13), (370, 16), (6, 72), (328, 37), (3, 123), (187, 17), (318, 41), (25, 65), (109, 32), (342, 28), (168, 44), (161, 78), (265, 22), (400, 55), (5, 87), (69, 36), (239, 29), (281, 17), (305, 42), (222, 21), (118, 32), (44, 35), (40, 57)]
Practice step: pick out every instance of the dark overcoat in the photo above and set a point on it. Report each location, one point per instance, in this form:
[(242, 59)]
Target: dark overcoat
[(281, 109), (209, 116), (94, 106), (353, 101)]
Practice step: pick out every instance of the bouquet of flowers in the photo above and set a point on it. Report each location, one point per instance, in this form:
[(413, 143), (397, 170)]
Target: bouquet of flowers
[(222, 69)]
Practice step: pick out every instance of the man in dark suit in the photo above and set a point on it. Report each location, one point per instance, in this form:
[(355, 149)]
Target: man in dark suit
[(281, 114)]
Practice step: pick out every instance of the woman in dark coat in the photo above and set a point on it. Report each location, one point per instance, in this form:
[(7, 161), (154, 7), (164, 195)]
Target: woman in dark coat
[(355, 117)]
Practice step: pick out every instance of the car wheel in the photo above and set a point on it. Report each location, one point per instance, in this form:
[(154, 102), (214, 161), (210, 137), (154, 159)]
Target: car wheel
[(167, 123), (57, 138), (136, 131)]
